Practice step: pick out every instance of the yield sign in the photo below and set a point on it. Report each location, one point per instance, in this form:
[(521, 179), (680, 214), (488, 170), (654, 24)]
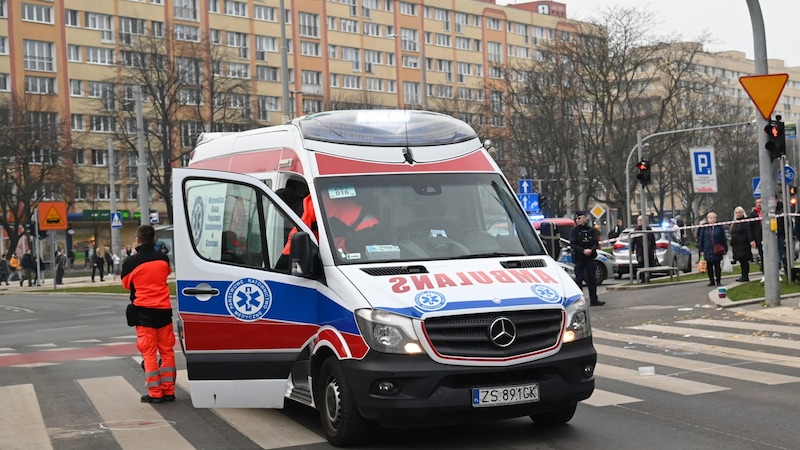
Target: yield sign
[(764, 91)]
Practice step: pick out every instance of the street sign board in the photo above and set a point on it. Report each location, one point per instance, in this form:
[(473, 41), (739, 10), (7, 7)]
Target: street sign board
[(790, 130), (787, 173), (598, 211), (704, 174), (116, 220), (764, 91), (757, 187), (525, 186), (52, 216), (530, 202)]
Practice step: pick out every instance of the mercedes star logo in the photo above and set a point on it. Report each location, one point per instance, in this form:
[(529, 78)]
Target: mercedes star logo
[(502, 332)]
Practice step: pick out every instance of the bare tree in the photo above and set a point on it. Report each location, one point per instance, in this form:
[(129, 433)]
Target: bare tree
[(32, 154), (187, 88)]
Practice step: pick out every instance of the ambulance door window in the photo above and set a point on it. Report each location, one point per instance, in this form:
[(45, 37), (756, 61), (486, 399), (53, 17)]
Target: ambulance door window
[(225, 222), (276, 231)]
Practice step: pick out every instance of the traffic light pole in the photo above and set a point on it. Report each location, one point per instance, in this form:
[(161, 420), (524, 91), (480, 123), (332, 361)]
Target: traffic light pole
[(645, 219), (772, 295)]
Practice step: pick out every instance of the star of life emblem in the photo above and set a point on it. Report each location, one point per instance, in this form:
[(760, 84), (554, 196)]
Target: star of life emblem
[(248, 299)]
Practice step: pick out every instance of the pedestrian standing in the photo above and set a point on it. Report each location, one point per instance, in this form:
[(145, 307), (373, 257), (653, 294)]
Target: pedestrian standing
[(14, 267), (680, 224), (28, 265), (97, 264), (71, 258), (145, 275), (108, 259), (638, 246), (617, 230), (4, 272), (87, 257), (61, 265), (741, 242), (584, 242), (756, 232), (712, 244)]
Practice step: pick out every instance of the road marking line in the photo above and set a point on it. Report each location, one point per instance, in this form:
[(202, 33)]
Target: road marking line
[(706, 349), (788, 329), (660, 382), (721, 335), (266, 427), (722, 370), (601, 398), (118, 402), (23, 424)]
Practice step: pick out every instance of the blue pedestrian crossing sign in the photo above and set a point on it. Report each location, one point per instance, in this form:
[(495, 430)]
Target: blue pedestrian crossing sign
[(757, 187), (116, 220)]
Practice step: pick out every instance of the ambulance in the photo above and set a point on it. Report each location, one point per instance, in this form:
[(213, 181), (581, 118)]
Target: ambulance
[(374, 265)]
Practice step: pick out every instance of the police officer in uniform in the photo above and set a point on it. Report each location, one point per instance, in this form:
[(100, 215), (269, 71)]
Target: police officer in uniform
[(584, 242)]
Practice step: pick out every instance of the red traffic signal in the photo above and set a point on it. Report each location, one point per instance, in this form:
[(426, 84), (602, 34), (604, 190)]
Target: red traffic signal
[(776, 139), (644, 172)]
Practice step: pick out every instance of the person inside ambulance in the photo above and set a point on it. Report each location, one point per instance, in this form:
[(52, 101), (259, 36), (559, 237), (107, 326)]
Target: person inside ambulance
[(351, 226)]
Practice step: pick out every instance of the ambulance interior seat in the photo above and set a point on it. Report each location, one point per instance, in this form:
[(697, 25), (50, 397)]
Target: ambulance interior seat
[(428, 234), (230, 248)]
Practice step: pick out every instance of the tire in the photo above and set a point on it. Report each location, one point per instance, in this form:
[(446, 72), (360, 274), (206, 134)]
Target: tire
[(601, 273), (557, 417), (342, 424), (688, 268)]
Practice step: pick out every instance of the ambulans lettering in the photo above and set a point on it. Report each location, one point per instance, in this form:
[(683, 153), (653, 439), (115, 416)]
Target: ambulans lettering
[(248, 299), (442, 280)]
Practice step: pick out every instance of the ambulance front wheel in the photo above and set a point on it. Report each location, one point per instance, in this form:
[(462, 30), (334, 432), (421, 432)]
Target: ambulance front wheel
[(557, 417), (341, 422)]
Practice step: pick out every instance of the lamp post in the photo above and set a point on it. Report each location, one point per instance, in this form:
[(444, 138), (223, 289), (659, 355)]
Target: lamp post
[(423, 67), (640, 145)]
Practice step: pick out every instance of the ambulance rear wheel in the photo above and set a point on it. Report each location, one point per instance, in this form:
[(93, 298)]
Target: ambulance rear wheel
[(557, 417), (341, 422)]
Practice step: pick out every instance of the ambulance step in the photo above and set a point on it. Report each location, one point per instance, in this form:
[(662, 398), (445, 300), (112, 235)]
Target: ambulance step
[(301, 394)]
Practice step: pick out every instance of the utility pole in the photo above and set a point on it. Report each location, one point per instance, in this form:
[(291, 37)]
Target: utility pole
[(285, 64), (772, 294), (144, 188)]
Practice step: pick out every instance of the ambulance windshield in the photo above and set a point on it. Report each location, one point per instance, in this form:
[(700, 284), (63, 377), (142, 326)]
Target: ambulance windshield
[(418, 217)]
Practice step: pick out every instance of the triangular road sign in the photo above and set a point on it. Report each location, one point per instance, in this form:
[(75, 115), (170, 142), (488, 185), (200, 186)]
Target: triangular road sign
[(116, 220), (765, 91)]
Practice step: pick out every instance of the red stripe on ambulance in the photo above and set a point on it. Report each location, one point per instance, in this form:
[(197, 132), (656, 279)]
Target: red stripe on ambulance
[(332, 165)]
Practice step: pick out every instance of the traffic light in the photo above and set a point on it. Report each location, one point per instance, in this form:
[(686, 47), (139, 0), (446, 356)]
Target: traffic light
[(29, 227), (644, 172), (776, 139), (793, 198)]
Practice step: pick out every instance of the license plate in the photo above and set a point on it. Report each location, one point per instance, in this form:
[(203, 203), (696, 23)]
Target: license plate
[(509, 395)]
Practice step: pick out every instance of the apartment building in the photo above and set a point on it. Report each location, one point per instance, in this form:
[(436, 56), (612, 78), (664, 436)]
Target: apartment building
[(339, 53)]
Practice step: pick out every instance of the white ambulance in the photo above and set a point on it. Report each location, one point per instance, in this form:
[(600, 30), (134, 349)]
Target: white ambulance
[(404, 286)]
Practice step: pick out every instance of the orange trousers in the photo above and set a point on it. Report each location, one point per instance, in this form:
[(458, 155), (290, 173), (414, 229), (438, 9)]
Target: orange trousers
[(160, 381)]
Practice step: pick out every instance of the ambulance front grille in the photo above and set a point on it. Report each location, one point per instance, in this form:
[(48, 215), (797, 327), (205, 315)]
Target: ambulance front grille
[(470, 336)]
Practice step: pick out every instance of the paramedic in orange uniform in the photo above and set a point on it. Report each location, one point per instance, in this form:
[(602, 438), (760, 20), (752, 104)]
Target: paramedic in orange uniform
[(145, 275)]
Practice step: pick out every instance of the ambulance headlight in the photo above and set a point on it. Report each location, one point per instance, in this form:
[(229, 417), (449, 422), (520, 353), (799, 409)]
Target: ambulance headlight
[(387, 332), (578, 326)]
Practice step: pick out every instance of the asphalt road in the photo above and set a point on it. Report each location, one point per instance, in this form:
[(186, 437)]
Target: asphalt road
[(724, 379)]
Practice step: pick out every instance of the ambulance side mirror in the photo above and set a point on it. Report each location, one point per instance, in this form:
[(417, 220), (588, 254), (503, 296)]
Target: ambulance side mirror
[(305, 256)]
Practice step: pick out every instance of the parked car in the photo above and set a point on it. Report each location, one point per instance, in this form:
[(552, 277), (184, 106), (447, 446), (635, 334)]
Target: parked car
[(605, 263), (559, 229), (669, 250)]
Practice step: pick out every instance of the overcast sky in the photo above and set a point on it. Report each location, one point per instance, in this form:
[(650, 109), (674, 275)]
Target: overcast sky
[(727, 21)]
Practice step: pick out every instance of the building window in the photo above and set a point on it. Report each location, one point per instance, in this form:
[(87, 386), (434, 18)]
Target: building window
[(309, 48), (102, 124), (74, 53), (37, 13), (40, 85), (158, 29), (81, 192), (309, 25), (102, 192), (3, 9), (213, 6), (101, 22), (78, 156), (189, 133), (187, 33), (77, 122), (236, 70), (3, 45), (186, 9), (99, 55), (265, 13), (99, 157), (267, 73), (239, 41), (76, 88), (5, 82), (233, 8), (38, 55)]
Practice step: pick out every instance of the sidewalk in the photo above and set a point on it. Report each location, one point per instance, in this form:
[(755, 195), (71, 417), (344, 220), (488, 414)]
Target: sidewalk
[(48, 285)]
